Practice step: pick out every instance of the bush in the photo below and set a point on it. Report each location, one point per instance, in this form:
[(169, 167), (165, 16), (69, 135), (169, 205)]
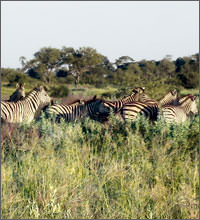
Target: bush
[(60, 91), (189, 80)]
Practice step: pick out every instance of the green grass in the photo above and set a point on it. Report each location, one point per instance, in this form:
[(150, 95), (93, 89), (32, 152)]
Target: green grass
[(83, 90), (190, 91), (83, 170)]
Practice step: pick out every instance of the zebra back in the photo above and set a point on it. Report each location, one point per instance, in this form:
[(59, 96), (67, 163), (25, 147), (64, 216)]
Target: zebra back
[(147, 100), (68, 112), (27, 109), (132, 110), (91, 108), (118, 104)]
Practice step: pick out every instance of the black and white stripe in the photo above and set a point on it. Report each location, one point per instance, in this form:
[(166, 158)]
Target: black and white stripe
[(169, 99), (132, 110), (180, 113), (27, 109), (117, 105), (76, 111)]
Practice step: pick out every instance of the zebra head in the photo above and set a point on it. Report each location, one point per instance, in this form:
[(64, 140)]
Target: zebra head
[(139, 90), (96, 107), (173, 92), (43, 96), (194, 108), (19, 94), (189, 103)]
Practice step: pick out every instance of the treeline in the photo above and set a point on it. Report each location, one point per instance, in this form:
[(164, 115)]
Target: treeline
[(86, 66)]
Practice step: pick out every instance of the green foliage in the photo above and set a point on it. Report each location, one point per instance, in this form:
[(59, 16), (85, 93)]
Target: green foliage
[(44, 64), (13, 76), (83, 170), (86, 65), (59, 91)]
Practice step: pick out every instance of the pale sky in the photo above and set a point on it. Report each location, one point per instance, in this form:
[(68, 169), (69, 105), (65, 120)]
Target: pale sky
[(141, 30)]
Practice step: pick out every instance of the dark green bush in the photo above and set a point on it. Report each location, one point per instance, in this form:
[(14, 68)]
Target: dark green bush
[(60, 91)]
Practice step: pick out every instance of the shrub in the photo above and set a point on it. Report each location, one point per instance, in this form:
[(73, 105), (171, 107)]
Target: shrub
[(60, 91)]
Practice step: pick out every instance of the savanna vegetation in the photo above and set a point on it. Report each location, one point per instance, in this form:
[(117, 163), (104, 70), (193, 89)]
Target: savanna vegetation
[(138, 170)]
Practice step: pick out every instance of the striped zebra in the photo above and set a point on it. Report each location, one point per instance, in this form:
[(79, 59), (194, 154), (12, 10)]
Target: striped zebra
[(171, 98), (180, 113), (181, 100), (143, 97), (132, 110), (18, 94), (78, 110), (129, 107), (117, 105), (27, 109), (145, 105)]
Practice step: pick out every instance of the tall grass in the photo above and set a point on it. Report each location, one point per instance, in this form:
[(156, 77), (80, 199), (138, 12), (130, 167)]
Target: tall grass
[(83, 170)]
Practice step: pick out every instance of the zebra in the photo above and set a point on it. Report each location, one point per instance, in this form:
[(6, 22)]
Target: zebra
[(27, 109), (143, 97), (79, 110), (117, 105), (181, 100), (131, 110), (18, 94), (181, 112), (138, 97), (169, 99), (144, 105)]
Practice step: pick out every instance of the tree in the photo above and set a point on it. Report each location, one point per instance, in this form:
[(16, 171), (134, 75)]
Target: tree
[(23, 61), (81, 61), (45, 62), (123, 61)]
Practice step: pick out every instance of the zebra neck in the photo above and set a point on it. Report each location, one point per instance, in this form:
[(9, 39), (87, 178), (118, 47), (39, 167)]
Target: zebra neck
[(165, 99), (128, 99), (33, 98), (186, 106), (81, 110)]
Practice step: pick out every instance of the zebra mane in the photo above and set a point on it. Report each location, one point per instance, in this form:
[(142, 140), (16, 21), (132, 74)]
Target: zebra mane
[(184, 100), (93, 100)]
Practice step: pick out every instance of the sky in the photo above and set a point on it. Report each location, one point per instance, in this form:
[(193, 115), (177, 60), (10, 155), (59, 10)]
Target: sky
[(139, 29)]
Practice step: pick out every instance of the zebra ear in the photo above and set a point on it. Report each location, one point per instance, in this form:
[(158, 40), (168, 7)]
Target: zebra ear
[(17, 85), (174, 92), (193, 97), (46, 88), (41, 88), (81, 101)]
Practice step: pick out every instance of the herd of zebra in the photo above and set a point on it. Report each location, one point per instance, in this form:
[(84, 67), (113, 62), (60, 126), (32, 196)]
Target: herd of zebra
[(24, 108)]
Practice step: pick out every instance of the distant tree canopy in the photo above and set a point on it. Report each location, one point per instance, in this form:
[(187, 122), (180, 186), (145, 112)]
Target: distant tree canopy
[(49, 61), (86, 65)]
